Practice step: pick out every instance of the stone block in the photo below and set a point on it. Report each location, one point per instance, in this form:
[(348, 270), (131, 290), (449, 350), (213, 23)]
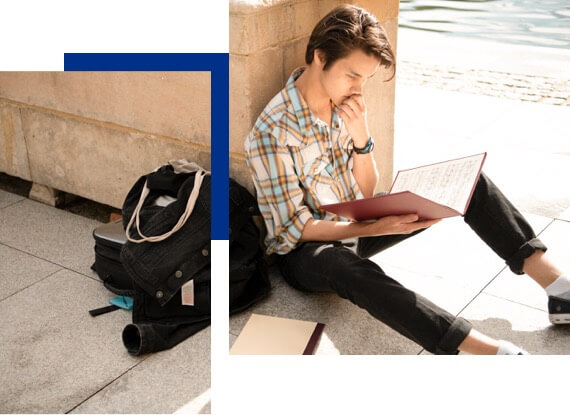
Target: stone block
[(171, 104), (293, 56), (326, 6), (383, 10), (13, 151), (95, 161), (240, 173), (47, 195), (255, 26), (305, 14), (254, 80)]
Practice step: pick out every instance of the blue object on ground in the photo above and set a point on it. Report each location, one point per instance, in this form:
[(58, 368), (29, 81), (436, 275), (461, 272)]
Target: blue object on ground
[(122, 301)]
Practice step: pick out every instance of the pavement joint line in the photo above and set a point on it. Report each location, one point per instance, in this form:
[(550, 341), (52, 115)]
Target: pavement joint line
[(481, 291), (109, 383), (13, 203), (31, 285), (50, 261), (495, 277), (552, 220), (515, 302)]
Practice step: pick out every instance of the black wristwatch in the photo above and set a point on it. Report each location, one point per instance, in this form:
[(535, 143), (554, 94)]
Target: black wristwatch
[(366, 149)]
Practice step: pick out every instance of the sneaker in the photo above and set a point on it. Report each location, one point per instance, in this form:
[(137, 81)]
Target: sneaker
[(558, 310)]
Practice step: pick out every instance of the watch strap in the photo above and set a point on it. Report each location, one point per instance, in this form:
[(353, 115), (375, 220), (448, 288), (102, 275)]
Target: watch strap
[(366, 149)]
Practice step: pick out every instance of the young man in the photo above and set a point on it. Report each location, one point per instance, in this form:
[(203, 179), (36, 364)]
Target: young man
[(311, 146)]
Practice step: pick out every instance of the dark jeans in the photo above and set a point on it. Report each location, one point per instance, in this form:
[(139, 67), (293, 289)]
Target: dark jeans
[(332, 267)]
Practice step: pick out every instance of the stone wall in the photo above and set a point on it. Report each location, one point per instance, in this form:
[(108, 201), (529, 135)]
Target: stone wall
[(267, 41), (93, 134)]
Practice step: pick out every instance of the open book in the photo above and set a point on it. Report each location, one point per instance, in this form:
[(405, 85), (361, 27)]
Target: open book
[(435, 191)]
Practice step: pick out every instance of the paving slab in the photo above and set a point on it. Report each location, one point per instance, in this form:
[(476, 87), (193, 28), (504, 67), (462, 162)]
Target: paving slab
[(447, 293), (524, 326), (450, 251), (522, 289), (49, 233), (165, 382), (7, 199), (530, 126), (19, 270), (457, 113), (564, 215), (54, 354)]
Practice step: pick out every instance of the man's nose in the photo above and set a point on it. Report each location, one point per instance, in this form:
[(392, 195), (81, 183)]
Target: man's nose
[(357, 87)]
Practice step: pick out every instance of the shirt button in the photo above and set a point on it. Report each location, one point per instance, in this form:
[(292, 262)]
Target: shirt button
[(159, 294), (205, 252), (178, 274)]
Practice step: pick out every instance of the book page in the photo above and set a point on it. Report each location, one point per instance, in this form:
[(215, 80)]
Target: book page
[(448, 183)]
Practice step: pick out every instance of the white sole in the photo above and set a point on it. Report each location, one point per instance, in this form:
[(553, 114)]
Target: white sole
[(559, 318)]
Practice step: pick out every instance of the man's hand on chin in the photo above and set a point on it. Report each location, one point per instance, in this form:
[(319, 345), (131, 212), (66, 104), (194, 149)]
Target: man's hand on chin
[(353, 113)]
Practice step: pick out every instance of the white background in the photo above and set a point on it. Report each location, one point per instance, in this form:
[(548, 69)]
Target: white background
[(34, 36)]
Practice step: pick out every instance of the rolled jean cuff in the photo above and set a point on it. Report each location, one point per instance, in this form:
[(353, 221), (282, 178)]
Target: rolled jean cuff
[(454, 336), (516, 262)]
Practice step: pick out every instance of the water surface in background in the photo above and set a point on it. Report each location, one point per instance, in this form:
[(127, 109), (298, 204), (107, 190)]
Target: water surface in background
[(526, 22)]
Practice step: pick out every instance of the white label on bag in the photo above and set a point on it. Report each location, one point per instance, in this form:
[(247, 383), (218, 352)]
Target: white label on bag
[(188, 293)]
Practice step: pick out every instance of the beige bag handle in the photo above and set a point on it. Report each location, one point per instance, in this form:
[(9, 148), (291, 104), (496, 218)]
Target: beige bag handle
[(180, 166)]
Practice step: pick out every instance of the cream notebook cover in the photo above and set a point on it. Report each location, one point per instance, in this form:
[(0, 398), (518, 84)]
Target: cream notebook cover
[(276, 335)]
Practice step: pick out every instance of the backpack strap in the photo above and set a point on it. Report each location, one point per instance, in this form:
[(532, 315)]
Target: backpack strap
[(180, 166)]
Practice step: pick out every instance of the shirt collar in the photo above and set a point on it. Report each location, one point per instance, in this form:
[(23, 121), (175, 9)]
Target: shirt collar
[(305, 117)]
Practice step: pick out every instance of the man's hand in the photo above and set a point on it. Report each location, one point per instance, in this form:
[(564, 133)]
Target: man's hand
[(398, 224), (327, 230), (353, 113)]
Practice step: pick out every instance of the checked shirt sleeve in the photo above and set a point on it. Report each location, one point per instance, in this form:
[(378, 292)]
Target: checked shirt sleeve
[(279, 195)]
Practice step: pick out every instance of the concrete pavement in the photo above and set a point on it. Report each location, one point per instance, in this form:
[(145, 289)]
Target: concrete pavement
[(55, 357)]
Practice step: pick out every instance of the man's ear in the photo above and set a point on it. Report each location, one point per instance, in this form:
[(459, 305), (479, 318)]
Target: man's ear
[(319, 58)]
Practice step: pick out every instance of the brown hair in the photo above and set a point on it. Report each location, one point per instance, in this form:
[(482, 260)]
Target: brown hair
[(345, 29)]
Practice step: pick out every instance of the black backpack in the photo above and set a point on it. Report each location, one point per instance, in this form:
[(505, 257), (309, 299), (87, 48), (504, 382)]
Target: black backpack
[(158, 270)]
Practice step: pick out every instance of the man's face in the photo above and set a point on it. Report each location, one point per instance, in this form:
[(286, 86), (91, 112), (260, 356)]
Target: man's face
[(347, 76)]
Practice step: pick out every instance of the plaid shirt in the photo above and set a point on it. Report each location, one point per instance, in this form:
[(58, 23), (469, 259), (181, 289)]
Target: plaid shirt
[(297, 165)]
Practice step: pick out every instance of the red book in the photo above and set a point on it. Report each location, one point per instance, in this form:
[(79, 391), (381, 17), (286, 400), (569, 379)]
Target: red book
[(435, 191)]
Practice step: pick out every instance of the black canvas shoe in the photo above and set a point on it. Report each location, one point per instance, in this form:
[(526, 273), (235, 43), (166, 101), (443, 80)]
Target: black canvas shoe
[(558, 310)]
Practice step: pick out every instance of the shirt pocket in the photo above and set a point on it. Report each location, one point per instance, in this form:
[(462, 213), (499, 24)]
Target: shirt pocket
[(316, 166)]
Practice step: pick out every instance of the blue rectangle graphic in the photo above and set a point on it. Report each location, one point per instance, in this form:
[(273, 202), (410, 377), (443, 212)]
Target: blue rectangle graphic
[(218, 66)]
